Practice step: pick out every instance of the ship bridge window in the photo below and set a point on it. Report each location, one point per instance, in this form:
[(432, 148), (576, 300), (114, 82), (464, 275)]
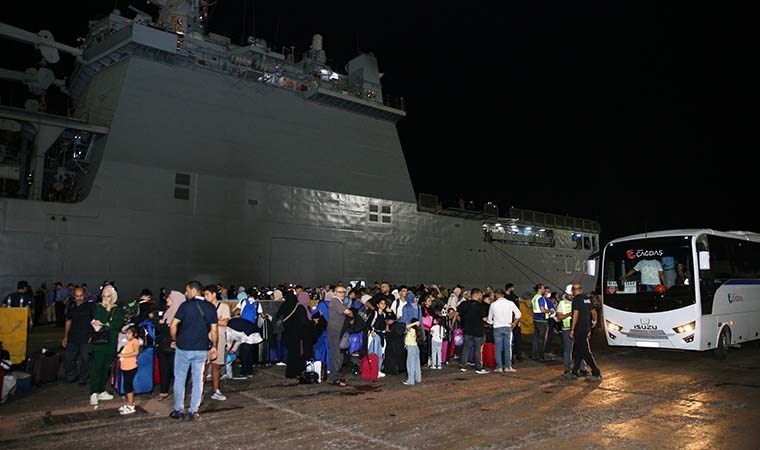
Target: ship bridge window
[(578, 240), (182, 179), (380, 213), (182, 186), (181, 193)]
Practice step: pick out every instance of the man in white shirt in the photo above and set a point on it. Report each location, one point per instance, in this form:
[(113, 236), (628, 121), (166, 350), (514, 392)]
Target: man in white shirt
[(503, 315), (651, 273)]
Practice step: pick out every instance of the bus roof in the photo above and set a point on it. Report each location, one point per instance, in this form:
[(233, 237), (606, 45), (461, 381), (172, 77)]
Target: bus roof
[(743, 235)]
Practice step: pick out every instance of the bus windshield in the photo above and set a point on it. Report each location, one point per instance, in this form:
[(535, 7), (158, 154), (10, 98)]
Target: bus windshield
[(649, 275)]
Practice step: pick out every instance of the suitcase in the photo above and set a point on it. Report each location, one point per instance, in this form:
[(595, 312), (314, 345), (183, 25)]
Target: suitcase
[(369, 367), (23, 383), (444, 351), (156, 371), (143, 382), (43, 367), (489, 355)]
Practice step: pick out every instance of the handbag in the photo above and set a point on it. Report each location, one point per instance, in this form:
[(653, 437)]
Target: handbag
[(345, 341), (278, 327), (102, 336)]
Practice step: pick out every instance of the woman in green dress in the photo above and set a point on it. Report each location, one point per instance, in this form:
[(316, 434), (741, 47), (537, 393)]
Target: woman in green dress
[(109, 316)]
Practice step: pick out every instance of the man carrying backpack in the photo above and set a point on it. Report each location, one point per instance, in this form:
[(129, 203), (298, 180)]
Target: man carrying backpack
[(189, 330)]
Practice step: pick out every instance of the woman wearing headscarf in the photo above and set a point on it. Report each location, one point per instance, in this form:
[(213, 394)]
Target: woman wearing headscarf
[(164, 341), (107, 317), (308, 347), (295, 319)]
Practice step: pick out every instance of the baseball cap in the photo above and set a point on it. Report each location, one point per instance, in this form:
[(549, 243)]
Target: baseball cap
[(22, 285), (569, 289)]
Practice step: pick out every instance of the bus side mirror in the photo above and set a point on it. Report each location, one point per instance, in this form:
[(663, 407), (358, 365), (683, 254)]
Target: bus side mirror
[(704, 260), (591, 267)]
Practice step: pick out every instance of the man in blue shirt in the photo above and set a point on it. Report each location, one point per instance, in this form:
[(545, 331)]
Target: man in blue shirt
[(193, 323)]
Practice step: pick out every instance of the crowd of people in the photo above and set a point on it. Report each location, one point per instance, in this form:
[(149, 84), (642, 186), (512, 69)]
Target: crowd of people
[(207, 333)]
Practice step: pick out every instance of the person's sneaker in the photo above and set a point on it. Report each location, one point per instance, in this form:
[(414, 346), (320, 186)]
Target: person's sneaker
[(177, 415), (594, 378), (240, 377), (510, 370), (94, 400), (463, 369), (571, 376), (226, 376), (405, 383), (127, 409), (218, 396), (481, 371), (380, 374), (281, 364), (583, 373), (194, 416), (550, 355), (470, 363), (498, 370), (105, 396)]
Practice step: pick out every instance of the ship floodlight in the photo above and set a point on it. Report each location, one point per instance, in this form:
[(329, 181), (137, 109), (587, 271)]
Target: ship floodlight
[(528, 228), (498, 224), (542, 230)]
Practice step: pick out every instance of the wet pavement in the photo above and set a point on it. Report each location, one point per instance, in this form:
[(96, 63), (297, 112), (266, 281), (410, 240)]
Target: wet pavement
[(647, 399)]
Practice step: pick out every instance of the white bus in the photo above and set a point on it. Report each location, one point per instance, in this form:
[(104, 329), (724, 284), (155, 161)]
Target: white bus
[(682, 289)]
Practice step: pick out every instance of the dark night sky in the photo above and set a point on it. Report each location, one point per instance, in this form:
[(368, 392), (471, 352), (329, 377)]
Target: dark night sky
[(633, 113)]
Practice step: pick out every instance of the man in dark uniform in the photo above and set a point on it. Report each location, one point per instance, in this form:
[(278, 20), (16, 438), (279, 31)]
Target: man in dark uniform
[(584, 317), (22, 298), (76, 337), (509, 294)]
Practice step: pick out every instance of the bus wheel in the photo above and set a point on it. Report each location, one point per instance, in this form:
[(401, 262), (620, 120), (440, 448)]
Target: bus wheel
[(724, 340)]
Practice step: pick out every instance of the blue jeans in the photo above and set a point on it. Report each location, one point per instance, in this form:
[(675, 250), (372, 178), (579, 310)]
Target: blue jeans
[(437, 347), (185, 360), (567, 347), (474, 344), (502, 338), (376, 347), (413, 365)]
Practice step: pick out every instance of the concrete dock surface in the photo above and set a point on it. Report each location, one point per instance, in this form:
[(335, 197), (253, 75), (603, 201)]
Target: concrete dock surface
[(647, 399)]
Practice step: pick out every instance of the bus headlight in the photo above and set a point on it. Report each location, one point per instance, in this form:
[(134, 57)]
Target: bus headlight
[(685, 328), (612, 326), (689, 339)]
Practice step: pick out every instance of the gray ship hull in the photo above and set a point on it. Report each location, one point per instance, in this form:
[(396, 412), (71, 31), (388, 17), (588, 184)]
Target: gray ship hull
[(273, 188)]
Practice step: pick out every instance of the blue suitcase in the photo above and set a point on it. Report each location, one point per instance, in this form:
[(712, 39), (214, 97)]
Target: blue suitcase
[(143, 382)]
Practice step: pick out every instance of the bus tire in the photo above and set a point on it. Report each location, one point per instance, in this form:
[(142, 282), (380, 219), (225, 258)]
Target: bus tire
[(724, 340)]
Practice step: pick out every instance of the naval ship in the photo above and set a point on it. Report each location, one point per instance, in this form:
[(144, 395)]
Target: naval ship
[(185, 156)]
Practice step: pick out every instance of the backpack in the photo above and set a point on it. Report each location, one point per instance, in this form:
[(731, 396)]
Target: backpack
[(250, 311), (147, 333), (308, 378), (458, 337)]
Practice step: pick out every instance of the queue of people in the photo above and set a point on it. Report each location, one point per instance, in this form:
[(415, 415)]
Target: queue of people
[(196, 334)]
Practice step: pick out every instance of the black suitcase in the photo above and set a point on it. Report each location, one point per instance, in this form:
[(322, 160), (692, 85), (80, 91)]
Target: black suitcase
[(43, 367)]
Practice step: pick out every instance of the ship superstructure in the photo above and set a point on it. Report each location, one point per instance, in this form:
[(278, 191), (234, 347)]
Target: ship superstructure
[(186, 156)]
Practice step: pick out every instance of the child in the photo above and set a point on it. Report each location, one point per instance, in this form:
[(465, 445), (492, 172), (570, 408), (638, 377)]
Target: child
[(436, 333), (128, 366), (412, 353)]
